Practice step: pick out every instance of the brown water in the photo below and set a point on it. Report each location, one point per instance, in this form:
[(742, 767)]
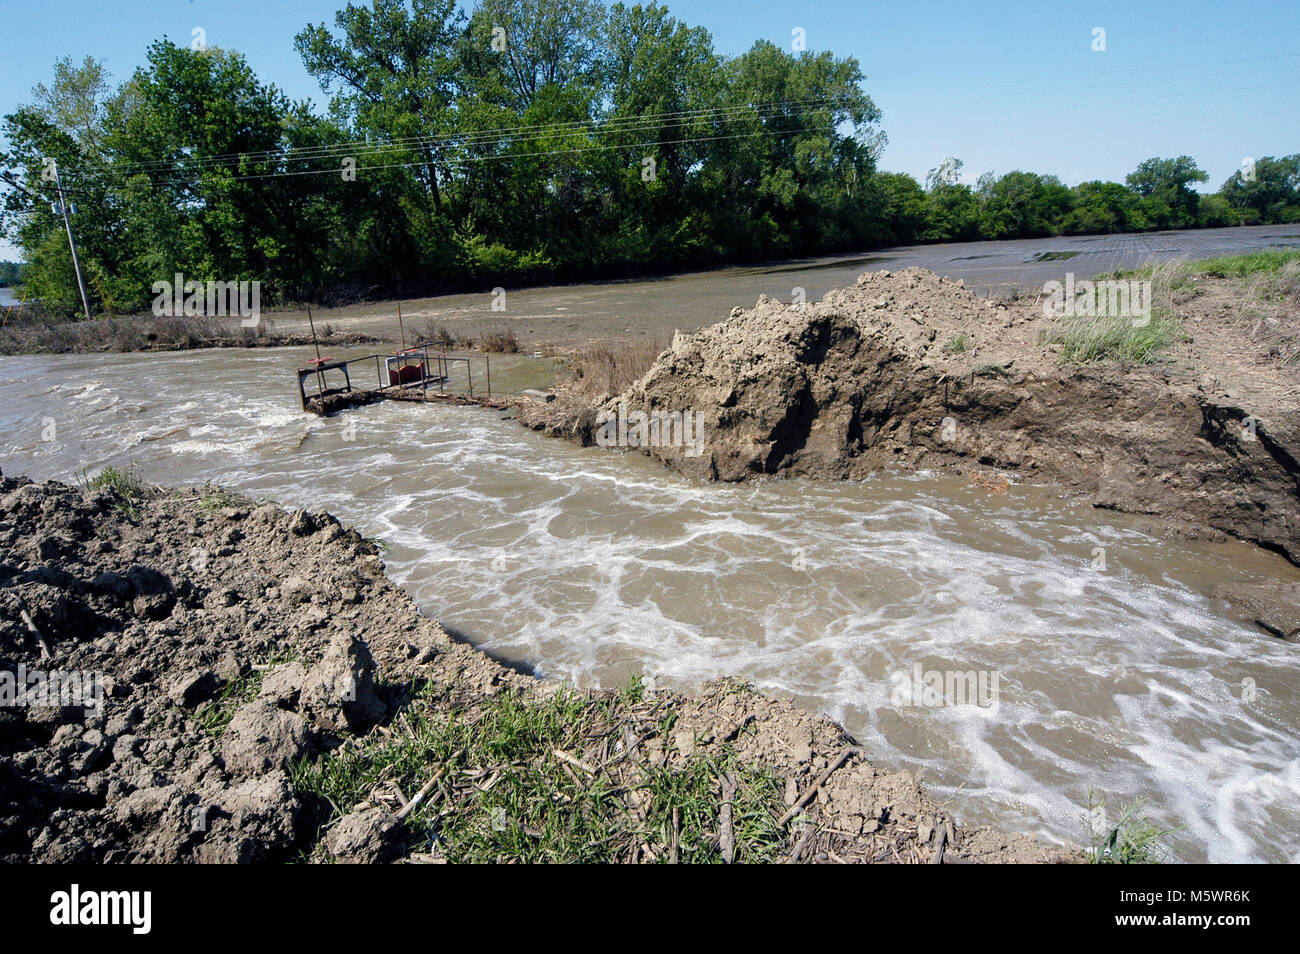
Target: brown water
[(572, 315), (589, 566)]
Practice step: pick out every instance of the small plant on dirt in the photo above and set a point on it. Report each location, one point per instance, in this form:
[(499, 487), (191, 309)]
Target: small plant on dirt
[(958, 344), (212, 497), (633, 691), (214, 716), (1133, 840), (124, 486)]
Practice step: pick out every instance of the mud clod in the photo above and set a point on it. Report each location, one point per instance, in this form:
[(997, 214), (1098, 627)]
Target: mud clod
[(368, 836)]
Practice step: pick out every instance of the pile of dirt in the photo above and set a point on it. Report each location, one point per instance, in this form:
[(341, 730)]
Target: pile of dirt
[(216, 646), (910, 370), (170, 610)]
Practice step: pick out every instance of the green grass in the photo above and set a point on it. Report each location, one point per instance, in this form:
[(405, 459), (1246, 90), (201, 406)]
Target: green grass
[(1133, 840), (214, 716), (1175, 274), (505, 796), (212, 497), (1269, 261), (1086, 340), (124, 486), (958, 345)]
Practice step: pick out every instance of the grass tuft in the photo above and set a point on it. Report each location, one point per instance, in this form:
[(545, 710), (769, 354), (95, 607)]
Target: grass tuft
[(123, 485), (1133, 840), (1270, 261), (214, 716), (212, 497), (1085, 340)]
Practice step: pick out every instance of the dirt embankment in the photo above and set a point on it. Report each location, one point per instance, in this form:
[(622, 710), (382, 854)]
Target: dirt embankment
[(909, 370), (149, 333), (232, 651)]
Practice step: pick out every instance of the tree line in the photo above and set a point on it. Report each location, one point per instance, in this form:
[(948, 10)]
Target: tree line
[(528, 140)]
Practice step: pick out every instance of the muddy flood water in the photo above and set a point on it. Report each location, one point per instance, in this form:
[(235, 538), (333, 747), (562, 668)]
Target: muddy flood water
[(568, 316), (1104, 663)]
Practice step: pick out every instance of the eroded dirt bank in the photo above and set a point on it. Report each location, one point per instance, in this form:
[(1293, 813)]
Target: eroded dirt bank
[(909, 370), (265, 694)]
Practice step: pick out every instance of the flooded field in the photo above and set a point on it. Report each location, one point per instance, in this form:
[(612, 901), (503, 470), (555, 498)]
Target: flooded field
[(574, 315)]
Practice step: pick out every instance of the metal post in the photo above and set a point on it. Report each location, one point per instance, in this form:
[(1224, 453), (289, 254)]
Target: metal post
[(487, 358), (320, 375), (400, 328), (67, 223)]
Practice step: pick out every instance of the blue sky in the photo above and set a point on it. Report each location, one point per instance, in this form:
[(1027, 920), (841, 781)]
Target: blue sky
[(1000, 85)]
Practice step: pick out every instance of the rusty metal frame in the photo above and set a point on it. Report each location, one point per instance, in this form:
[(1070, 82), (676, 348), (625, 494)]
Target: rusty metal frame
[(441, 361)]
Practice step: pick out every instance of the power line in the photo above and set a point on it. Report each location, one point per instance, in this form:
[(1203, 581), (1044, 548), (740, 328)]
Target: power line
[(490, 137), (465, 159), (1016, 85), (503, 133), (1066, 90), (1143, 99)]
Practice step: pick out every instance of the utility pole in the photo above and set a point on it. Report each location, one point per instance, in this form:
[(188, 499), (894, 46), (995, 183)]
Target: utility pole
[(76, 266)]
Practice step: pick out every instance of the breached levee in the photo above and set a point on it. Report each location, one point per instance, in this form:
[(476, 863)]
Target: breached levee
[(909, 370), (189, 676)]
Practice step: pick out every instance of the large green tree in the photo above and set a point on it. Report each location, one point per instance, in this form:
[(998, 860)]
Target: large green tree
[(1023, 205), (1267, 191), (1168, 201)]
